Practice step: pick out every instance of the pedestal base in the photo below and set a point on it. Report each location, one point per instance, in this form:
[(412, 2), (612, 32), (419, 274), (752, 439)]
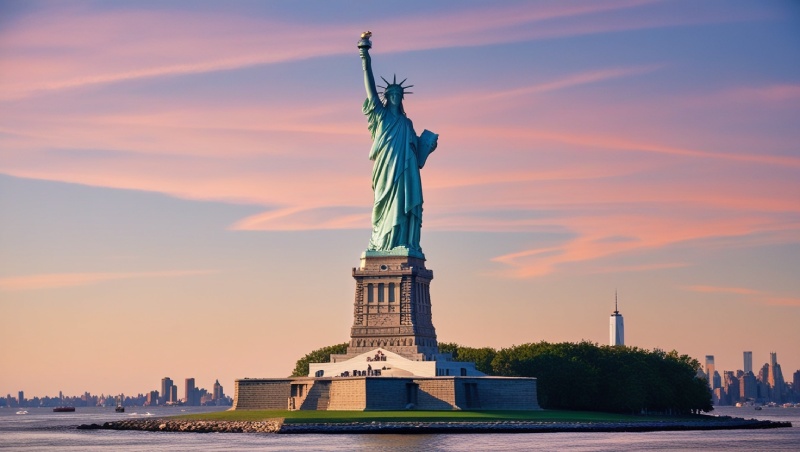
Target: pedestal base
[(392, 308)]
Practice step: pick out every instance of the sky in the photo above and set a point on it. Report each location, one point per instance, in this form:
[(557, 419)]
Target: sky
[(185, 186)]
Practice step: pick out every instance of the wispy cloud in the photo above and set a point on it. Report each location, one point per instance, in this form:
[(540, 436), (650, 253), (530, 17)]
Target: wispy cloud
[(570, 81), (747, 294), (625, 144), (640, 267), (55, 280), (181, 44), (782, 301), (304, 219), (651, 232)]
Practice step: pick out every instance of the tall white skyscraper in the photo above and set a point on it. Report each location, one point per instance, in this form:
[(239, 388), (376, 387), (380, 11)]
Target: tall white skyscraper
[(616, 326), (748, 362)]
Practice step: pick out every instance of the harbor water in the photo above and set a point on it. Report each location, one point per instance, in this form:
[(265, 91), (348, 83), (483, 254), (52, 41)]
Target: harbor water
[(42, 429)]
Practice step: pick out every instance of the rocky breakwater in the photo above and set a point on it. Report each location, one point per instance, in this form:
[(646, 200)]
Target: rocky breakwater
[(712, 423), (191, 426), (411, 427)]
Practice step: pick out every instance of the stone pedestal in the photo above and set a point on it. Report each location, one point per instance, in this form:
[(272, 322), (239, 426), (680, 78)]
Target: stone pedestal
[(392, 308)]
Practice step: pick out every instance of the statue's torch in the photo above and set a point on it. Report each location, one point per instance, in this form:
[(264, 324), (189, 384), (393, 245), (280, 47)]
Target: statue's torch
[(365, 43)]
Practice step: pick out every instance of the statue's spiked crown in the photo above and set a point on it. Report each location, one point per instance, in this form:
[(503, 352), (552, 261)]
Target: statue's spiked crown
[(394, 86)]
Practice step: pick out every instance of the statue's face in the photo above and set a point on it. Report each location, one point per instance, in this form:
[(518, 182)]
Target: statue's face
[(394, 97)]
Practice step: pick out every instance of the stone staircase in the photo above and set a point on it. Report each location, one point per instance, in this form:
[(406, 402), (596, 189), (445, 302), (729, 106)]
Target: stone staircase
[(318, 396)]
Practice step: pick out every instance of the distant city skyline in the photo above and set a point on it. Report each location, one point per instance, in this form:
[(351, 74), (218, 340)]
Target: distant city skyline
[(743, 386), (167, 395), (189, 182)]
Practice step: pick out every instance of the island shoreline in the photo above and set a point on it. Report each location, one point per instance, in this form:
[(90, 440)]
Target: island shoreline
[(278, 426)]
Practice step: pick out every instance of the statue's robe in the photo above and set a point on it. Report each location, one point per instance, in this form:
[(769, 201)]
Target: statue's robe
[(397, 211)]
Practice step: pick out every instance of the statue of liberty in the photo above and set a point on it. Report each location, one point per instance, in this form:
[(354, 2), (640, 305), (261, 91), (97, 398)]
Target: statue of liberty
[(398, 154)]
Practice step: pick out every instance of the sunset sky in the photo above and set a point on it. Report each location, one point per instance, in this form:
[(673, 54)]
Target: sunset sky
[(185, 188)]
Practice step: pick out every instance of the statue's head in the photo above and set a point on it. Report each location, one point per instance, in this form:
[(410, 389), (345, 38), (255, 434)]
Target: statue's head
[(394, 92)]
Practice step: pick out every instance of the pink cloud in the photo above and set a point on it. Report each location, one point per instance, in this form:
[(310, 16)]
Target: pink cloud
[(146, 44), (569, 82), (304, 219), (157, 44), (641, 267), (782, 301), (624, 144), (650, 232), (53, 280)]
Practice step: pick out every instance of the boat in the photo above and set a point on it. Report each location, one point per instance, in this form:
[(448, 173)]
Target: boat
[(64, 409), (22, 412), (119, 409)]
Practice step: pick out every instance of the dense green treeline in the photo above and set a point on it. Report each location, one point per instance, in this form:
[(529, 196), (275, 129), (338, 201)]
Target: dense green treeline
[(584, 376)]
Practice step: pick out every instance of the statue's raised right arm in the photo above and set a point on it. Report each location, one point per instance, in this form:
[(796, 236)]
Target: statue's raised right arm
[(369, 79)]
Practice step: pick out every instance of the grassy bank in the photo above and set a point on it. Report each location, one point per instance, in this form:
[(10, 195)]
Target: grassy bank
[(300, 417)]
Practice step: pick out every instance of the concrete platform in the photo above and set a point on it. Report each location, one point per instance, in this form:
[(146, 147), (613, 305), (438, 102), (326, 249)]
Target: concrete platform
[(386, 393)]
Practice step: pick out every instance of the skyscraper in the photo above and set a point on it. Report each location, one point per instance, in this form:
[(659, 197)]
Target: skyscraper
[(151, 398), (217, 391), (616, 326), (189, 392), (748, 362), (710, 370), (166, 389), (748, 387), (731, 385), (775, 379)]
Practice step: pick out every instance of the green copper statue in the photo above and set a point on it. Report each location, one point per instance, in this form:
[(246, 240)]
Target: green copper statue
[(398, 154)]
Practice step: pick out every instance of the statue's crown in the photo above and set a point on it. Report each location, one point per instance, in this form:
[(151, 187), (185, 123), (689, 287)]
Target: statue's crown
[(395, 86)]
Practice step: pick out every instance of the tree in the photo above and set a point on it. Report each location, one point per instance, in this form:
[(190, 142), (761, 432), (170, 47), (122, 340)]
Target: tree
[(320, 355), (585, 376), (482, 357)]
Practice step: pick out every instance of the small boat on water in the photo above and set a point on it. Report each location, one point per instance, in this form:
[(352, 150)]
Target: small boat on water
[(119, 409), (64, 409), (22, 412)]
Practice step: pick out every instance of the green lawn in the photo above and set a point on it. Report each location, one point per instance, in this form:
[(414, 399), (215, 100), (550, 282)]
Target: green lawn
[(418, 416)]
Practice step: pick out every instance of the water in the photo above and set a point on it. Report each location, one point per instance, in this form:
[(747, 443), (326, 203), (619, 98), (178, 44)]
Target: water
[(41, 429)]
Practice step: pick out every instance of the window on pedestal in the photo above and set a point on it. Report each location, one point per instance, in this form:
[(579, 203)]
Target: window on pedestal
[(370, 296), (381, 286), (391, 292)]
